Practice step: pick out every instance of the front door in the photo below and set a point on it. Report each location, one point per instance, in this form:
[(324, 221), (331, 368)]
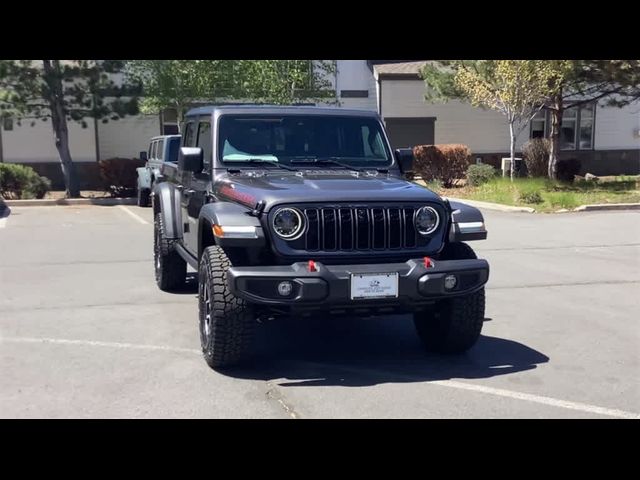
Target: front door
[(195, 195), (185, 180)]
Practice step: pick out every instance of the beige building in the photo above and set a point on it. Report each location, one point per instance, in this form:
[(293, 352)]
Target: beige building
[(607, 140)]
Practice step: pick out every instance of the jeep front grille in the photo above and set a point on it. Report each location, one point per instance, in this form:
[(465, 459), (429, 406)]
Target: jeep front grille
[(359, 228)]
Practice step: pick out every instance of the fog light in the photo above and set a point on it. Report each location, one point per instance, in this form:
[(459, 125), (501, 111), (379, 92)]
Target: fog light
[(285, 288), (450, 282)]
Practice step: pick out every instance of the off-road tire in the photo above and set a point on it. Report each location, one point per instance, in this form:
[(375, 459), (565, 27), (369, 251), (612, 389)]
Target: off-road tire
[(170, 268), (226, 322), (452, 325)]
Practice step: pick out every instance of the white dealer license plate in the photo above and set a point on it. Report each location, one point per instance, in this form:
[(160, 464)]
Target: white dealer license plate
[(374, 285)]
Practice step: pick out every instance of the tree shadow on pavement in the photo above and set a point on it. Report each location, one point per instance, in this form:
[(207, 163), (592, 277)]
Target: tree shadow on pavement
[(354, 352)]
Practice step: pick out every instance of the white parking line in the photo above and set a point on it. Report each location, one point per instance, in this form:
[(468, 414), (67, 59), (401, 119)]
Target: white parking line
[(92, 343), (138, 218), (3, 222), (553, 402), (527, 397)]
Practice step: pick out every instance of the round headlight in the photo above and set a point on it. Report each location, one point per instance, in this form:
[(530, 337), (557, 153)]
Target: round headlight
[(288, 224), (426, 220)]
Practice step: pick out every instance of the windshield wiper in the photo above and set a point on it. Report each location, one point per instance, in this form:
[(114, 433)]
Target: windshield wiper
[(258, 161), (326, 161)]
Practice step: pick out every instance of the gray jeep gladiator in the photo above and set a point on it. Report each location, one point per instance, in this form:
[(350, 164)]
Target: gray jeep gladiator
[(296, 211)]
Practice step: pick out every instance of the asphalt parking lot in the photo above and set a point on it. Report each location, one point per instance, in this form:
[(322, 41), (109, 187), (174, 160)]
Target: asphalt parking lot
[(84, 332)]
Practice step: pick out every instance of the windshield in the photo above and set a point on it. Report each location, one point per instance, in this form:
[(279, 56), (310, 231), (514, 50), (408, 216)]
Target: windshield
[(292, 139)]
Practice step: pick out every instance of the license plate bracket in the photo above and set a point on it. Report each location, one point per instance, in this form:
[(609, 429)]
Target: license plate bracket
[(365, 286)]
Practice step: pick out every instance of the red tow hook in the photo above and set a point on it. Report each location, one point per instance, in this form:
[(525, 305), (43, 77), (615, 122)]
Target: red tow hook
[(428, 263), (312, 266)]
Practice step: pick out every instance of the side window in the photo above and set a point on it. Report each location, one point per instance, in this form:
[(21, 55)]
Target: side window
[(160, 150), (204, 141), (150, 150), (189, 135), (372, 143), (368, 151), (154, 145), (174, 146)]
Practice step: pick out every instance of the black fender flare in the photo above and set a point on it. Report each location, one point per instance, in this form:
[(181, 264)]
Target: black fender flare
[(467, 223), (229, 214), (166, 200)]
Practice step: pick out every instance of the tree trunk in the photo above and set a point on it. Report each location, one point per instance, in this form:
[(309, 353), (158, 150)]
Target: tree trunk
[(180, 116), (512, 150), (59, 123), (556, 122)]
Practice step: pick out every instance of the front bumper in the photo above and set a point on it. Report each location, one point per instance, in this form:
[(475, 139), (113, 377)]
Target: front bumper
[(330, 285)]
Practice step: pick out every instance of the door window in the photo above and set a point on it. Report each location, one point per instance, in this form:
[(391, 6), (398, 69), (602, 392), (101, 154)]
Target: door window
[(189, 135), (205, 142)]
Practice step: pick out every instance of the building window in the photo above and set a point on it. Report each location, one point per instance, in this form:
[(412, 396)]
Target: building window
[(568, 129), (539, 125), (8, 124), (587, 114), (576, 131)]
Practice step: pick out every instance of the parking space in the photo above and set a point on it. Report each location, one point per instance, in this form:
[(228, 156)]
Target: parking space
[(84, 331)]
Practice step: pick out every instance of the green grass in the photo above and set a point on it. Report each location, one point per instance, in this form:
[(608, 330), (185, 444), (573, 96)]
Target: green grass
[(553, 195)]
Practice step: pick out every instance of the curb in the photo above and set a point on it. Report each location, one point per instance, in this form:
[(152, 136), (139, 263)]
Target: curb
[(493, 206), (71, 201), (607, 206)]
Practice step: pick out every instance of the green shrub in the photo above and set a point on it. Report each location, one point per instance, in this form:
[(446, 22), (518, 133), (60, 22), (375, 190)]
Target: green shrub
[(445, 163), (568, 169), (536, 157), (480, 173), (531, 197), (119, 175), (22, 182)]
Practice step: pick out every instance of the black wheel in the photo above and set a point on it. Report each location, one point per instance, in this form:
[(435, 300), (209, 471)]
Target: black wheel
[(143, 197), (452, 325), (170, 267), (226, 321), (457, 251)]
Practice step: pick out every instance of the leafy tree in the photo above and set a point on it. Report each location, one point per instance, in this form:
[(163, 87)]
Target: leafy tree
[(611, 82), (515, 88), (179, 84), (286, 81), (64, 90), (175, 83)]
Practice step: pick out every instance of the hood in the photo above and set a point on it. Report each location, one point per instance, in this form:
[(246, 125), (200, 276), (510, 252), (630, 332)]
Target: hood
[(318, 187)]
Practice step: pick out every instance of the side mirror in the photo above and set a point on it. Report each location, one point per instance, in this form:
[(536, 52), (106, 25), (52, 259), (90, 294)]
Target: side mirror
[(143, 156), (404, 157), (190, 159)]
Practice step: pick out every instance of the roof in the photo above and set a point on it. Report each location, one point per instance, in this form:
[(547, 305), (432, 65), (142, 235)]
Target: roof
[(408, 70), (280, 110), (165, 136)]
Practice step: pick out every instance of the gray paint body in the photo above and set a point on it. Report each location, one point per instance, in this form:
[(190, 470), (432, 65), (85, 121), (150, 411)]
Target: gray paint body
[(227, 195)]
